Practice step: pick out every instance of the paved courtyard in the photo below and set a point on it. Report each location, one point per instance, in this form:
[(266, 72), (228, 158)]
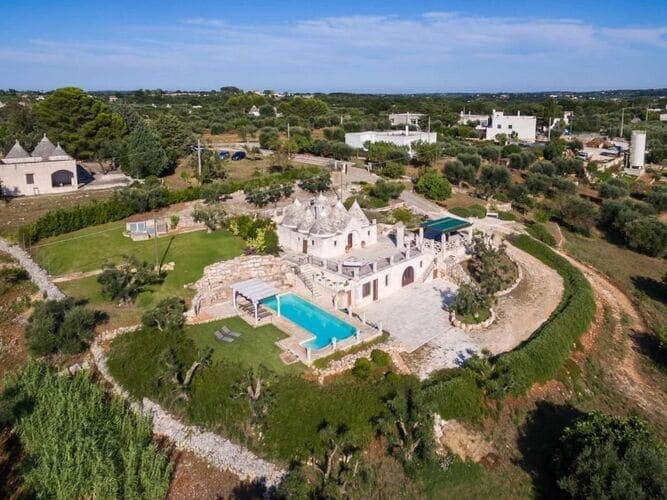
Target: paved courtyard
[(416, 314)]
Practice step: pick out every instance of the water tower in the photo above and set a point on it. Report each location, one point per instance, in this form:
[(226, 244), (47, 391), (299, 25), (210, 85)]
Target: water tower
[(637, 153)]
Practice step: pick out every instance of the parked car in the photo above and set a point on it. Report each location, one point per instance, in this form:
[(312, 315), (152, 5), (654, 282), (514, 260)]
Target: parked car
[(239, 155), (223, 155)]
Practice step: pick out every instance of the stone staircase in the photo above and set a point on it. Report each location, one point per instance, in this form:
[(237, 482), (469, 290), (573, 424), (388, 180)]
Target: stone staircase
[(305, 273)]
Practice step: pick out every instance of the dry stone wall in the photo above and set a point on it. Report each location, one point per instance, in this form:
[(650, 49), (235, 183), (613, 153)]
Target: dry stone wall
[(214, 286)]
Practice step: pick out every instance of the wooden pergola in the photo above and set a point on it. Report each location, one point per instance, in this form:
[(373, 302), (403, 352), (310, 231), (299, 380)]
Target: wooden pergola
[(255, 290)]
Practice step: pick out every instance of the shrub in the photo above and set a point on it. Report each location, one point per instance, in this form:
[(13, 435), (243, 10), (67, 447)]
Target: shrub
[(539, 231), (540, 358), (59, 325), (506, 215), (433, 186), (380, 358), (362, 368), (386, 190), (602, 456)]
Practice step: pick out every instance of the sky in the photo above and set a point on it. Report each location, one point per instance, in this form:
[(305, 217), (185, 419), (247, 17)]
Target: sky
[(335, 45)]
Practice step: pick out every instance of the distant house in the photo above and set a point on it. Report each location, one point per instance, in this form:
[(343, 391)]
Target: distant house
[(464, 118), (396, 119), (2, 105), (663, 117), (523, 127), (49, 169), (357, 140), (254, 111), (113, 98)]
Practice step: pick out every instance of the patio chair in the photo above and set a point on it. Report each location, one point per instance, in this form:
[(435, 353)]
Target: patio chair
[(230, 333)]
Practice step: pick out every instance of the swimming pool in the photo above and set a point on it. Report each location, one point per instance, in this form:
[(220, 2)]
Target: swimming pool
[(323, 325)]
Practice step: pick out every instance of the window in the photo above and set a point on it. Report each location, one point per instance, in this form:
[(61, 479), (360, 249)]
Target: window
[(386, 280), (366, 289), (335, 243), (509, 127), (29, 178), (500, 125), (421, 264)]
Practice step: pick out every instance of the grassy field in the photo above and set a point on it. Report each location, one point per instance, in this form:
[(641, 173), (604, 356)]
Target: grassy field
[(89, 249), (637, 274), (255, 346), (20, 211)]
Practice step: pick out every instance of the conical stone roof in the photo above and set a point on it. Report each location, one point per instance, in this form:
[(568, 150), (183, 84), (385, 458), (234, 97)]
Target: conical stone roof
[(44, 149), (17, 151)]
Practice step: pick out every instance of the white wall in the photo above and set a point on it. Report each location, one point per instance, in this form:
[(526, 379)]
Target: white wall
[(394, 277), (329, 246), (356, 140), (524, 126), (14, 180)]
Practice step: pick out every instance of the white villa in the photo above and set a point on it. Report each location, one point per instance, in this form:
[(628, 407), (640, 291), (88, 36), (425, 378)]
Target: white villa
[(349, 258), (49, 169)]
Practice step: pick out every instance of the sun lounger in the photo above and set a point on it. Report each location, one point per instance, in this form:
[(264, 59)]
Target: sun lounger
[(221, 337), (230, 333)]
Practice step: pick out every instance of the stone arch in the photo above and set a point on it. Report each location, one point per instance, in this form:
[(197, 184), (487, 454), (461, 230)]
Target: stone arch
[(61, 178), (408, 276)]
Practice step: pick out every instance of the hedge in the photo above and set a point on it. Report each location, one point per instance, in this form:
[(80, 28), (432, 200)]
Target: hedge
[(543, 355), (540, 232), (459, 398), (470, 211), (123, 204)]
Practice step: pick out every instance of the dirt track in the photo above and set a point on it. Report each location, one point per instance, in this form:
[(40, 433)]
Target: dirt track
[(626, 375)]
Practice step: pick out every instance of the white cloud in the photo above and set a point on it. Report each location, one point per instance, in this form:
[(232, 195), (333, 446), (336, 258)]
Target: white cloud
[(435, 51)]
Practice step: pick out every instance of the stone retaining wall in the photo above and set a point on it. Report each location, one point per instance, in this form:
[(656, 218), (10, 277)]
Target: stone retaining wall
[(38, 275), (468, 327), (214, 286)]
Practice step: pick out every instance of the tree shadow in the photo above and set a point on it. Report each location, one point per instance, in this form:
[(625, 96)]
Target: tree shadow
[(539, 439), (251, 490), (657, 290), (166, 251), (649, 346)]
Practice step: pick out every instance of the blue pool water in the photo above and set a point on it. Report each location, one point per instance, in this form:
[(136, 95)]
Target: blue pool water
[(308, 316)]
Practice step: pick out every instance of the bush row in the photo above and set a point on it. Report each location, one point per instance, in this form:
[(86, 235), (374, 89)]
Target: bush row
[(539, 359), (540, 232)]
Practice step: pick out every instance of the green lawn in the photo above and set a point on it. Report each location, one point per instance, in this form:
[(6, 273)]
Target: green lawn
[(255, 346), (91, 248)]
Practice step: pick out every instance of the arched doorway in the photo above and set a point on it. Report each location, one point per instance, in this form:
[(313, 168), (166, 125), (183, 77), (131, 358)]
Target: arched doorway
[(408, 276), (61, 178)]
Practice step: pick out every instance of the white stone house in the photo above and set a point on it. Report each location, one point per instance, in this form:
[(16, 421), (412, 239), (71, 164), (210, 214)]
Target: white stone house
[(325, 230), (342, 253), (49, 169), (523, 127), (254, 111)]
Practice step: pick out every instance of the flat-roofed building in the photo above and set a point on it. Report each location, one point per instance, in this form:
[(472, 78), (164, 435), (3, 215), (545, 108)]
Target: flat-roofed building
[(521, 127), (357, 140)]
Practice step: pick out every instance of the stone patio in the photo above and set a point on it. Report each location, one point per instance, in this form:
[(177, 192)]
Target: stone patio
[(416, 314)]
